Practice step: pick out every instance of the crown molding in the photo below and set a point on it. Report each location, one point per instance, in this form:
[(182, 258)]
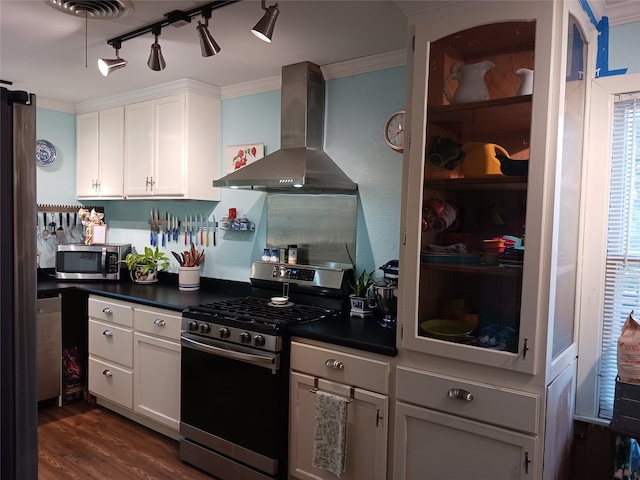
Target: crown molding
[(250, 88), (143, 94), (368, 64), (618, 11)]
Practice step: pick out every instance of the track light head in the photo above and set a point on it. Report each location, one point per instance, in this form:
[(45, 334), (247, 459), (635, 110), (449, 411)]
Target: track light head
[(208, 45), (156, 60), (108, 65), (264, 28)]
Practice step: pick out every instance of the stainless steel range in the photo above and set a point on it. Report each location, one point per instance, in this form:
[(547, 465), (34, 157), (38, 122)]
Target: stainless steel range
[(235, 369)]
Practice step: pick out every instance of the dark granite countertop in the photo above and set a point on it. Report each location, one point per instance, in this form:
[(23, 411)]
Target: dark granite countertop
[(355, 332), (359, 333)]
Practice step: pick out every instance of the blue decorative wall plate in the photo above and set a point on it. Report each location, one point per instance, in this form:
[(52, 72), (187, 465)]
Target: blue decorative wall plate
[(45, 153)]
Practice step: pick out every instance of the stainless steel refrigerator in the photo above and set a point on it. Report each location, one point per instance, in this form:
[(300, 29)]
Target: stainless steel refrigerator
[(18, 404)]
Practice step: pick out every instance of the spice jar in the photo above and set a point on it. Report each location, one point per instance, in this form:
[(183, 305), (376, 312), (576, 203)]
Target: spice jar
[(293, 254)]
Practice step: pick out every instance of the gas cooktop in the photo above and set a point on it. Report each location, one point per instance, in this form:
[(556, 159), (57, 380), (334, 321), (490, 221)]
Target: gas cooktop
[(257, 311)]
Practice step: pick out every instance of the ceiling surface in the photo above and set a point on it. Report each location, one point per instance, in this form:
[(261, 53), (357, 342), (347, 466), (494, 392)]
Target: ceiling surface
[(54, 54)]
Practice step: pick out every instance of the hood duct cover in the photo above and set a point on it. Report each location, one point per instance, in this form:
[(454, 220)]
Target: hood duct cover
[(300, 162)]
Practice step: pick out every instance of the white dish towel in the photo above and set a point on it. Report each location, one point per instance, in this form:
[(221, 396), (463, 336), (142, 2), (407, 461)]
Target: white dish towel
[(330, 433)]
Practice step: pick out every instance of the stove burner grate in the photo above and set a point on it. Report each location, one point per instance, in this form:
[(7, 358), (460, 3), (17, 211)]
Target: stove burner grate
[(254, 310)]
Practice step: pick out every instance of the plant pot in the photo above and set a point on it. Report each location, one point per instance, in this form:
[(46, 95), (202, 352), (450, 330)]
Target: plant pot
[(360, 306), (140, 276), (189, 278)]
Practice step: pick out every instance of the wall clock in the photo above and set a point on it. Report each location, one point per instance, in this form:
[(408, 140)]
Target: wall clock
[(45, 153), (394, 131)]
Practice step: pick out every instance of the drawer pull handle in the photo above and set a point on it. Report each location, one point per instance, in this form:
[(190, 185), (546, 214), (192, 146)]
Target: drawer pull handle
[(108, 333), (159, 322), (460, 394), (107, 310), (107, 373), (333, 363)]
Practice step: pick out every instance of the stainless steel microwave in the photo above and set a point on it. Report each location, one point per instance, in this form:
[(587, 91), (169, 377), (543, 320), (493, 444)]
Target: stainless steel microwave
[(77, 261)]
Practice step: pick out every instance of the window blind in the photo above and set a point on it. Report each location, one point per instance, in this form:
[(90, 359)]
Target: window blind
[(622, 274)]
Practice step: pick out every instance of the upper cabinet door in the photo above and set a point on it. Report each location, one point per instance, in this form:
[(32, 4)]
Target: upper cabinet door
[(87, 154), (111, 152), (170, 145), (478, 208), (139, 149)]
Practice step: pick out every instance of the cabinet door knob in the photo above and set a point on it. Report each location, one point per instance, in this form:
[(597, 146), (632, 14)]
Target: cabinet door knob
[(107, 373), (108, 333), (460, 394), (107, 310), (159, 322), (333, 363)]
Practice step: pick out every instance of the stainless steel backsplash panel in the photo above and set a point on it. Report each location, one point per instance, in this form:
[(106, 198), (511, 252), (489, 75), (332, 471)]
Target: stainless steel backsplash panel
[(320, 224)]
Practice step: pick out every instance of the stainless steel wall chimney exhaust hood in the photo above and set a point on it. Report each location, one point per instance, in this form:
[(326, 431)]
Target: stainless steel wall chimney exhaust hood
[(300, 166)]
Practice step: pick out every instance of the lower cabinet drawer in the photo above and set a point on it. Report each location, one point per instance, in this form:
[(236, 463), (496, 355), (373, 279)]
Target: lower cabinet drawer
[(111, 382), (111, 342), (345, 368), (513, 409)]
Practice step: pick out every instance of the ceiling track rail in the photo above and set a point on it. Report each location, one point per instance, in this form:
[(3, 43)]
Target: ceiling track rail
[(175, 16)]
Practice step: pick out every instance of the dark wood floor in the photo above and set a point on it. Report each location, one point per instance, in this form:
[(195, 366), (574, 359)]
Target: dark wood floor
[(80, 442)]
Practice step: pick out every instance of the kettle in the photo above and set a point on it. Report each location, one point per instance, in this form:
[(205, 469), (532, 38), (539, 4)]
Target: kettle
[(480, 159)]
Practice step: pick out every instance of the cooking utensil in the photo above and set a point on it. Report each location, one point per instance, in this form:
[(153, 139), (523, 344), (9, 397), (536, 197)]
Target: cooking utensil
[(60, 231), (75, 230), (185, 230), (201, 230), (45, 231), (190, 229), (162, 229)]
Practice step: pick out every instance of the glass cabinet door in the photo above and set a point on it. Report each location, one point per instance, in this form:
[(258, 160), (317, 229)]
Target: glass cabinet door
[(475, 185), (478, 92)]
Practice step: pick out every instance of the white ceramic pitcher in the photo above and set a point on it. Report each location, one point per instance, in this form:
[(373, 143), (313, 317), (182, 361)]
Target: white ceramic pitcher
[(526, 81), (471, 85)]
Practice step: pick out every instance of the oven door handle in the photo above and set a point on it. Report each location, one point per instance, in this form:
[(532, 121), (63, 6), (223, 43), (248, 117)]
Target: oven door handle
[(223, 352)]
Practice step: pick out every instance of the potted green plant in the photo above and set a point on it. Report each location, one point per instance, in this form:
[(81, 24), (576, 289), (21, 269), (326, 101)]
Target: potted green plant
[(360, 288), (144, 267)]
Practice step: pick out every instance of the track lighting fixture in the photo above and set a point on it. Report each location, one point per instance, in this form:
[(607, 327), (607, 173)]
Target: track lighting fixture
[(156, 60), (108, 65), (264, 28), (178, 18), (208, 45)]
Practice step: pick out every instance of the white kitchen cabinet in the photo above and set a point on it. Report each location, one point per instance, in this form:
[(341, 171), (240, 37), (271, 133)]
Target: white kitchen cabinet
[(524, 303), (316, 368), (172, 147), (110, 373), (134, 362), (157, 365), (100, 154), (432, 444)]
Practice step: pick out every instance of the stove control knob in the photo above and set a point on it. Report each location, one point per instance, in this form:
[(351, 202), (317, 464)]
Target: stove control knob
[(224, 332), (259, 340), (245, 337), (205, 328), (192, 326)]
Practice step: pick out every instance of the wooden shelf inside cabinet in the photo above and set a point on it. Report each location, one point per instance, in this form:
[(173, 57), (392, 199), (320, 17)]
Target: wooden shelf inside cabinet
[(478, 184), (502, 270), (506, 115)]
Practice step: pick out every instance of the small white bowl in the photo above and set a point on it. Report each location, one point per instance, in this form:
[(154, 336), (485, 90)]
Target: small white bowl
[(279, 300)]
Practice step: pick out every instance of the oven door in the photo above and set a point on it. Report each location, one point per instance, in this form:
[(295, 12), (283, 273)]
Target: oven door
[(234, 401)]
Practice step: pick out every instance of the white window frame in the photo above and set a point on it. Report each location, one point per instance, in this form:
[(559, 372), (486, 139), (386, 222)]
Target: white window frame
[(598, 165)]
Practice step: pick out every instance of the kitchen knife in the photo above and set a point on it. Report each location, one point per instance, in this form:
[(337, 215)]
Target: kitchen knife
[(185, 230), (195, 230), (151, 228), (190, 229), (162, 229), (214, 224), (201, 230), (207, 228)]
